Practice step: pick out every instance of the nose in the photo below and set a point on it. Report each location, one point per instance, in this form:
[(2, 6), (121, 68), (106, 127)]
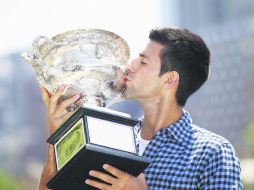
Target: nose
[(130, 66)]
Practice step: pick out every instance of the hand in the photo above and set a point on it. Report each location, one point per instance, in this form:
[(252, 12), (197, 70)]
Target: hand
[(121, 181), (57, 113)]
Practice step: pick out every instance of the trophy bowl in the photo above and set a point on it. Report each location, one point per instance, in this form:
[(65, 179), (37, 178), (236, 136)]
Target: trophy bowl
[(84, 61)]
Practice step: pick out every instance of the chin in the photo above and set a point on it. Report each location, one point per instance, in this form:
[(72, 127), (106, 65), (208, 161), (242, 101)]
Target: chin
[(127, 94)]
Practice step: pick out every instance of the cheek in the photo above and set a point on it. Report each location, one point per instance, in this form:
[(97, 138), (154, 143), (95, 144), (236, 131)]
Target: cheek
[(153, 87)]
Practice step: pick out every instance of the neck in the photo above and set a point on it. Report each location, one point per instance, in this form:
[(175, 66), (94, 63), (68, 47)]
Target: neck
[(159, 114)]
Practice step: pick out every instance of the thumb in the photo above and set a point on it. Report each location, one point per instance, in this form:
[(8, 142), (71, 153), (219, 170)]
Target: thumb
[(142, 179), (45, 96)]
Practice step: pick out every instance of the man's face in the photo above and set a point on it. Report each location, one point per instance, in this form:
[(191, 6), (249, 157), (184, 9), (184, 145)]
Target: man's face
[(143, 81)]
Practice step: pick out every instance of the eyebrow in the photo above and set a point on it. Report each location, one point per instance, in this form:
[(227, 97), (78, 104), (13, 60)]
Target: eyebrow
[(144, 56)]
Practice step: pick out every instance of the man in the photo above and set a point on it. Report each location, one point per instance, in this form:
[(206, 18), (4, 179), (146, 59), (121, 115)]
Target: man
[(174, 64)]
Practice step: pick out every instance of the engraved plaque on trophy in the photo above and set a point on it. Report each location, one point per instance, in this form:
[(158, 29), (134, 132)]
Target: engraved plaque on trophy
[(85, 61)]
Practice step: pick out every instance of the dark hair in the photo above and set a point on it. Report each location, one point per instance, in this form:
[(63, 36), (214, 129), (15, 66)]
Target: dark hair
[(187, 54)]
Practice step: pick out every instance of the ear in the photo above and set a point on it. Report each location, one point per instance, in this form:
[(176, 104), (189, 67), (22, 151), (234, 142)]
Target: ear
[(171, 79)]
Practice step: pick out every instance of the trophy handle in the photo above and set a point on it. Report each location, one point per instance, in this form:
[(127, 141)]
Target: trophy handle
[(36, 58), (27, 58), (38, 42)]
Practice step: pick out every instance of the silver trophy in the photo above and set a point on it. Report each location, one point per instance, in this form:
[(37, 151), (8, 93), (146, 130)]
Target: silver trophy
[(85, 61)]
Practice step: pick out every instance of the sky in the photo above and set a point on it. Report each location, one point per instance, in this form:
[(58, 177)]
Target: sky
[(22, 21)]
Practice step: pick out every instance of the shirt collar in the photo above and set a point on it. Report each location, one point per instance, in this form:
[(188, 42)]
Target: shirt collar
[(181, 130)]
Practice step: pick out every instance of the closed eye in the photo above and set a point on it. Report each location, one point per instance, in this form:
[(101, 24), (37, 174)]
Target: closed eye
[(142, 61), (142, 57)]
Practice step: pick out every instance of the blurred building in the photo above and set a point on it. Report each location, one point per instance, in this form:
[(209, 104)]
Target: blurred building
[(23, 120), (225, 104)]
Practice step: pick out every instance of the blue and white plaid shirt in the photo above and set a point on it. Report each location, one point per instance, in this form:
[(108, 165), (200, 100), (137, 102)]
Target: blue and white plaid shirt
[(185, 156)]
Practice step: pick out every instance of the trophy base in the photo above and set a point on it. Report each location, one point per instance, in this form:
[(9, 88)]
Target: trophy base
[(73, 176), (79, 148)]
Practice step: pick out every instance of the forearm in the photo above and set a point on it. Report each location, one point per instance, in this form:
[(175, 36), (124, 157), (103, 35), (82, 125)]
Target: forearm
[(49, 169)]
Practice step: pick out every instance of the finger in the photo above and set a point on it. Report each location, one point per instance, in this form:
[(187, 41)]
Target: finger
[(142, 178), (66, 116), (55, 123), (98, 184), (104, 177), (60, 119), (62, 107), (54, 98), (116, 172), (45, 96), (60, 114)]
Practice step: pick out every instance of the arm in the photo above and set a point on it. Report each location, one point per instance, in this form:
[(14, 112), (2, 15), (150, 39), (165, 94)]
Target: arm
[(56, 115), (48, 170)]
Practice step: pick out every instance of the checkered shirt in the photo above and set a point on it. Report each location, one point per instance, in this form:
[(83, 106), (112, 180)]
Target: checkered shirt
[(185, 156)]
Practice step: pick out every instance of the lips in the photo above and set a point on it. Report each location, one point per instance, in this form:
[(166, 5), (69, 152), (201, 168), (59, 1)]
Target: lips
[(125, 79)]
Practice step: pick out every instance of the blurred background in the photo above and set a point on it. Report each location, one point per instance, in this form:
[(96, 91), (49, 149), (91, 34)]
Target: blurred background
[(225, 104)]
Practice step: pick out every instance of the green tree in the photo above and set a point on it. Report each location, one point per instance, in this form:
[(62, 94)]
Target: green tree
[(249, 134), (8, 183)]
